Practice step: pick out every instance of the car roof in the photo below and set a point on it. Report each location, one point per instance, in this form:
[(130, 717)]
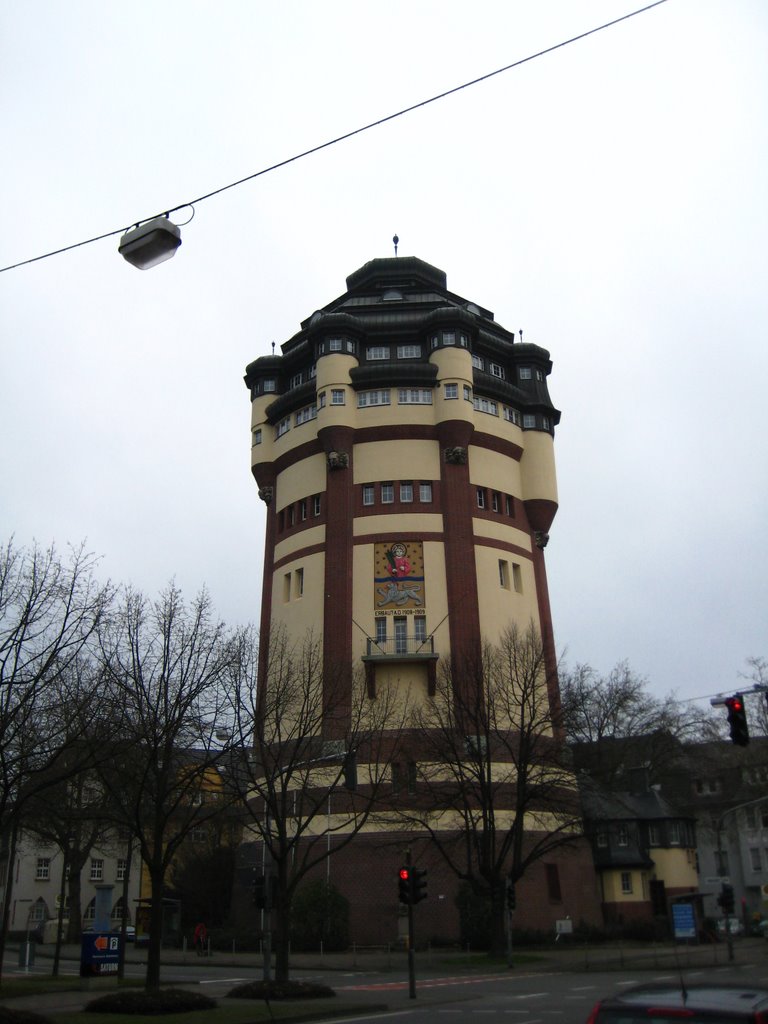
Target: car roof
[(730, 998)]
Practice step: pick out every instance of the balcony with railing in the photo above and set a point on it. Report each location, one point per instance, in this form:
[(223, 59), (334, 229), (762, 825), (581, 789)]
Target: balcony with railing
[(399, 648)]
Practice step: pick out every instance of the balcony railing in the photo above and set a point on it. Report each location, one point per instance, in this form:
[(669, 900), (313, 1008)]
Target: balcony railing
[(400, 647)]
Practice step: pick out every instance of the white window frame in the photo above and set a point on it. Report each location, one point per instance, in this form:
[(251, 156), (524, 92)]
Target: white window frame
[(374, 352), (283, 426), (380, 625), (409, 351), (379, 396), (486, 405), (406, 491), (480, 497), (121, 869), (309, 412), (335, 345), (450, 391), (477, 362), (622, 836), (414, 396), (43, 869), (529, 421), (256, 436), (448, 337), (268, 386), (626, 883), (525, 373), (296, 379), (97, 869), (496, 370), (338, 396), (425, 492), (369, 494), (387, 492)]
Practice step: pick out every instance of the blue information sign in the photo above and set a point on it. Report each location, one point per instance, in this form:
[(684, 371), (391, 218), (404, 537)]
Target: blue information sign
[(684, 920), (99, 954)]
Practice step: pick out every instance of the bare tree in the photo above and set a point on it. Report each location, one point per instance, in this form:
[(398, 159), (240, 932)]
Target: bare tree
[(757, 674), (614, 723), (165, 662), (50, 610), (307, 736), (498, 790)]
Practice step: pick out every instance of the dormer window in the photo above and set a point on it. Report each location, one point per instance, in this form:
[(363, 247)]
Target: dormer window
[(268, 385), (334, 344), (391, 295)]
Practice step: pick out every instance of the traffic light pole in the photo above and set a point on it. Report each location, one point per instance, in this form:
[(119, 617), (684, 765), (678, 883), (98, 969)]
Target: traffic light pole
[(411, 955)]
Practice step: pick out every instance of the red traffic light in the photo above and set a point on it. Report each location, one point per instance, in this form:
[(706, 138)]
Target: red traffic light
[(735, 704), (405, 874)]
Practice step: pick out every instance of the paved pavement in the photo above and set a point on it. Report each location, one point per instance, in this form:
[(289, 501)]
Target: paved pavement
[(393, 965)]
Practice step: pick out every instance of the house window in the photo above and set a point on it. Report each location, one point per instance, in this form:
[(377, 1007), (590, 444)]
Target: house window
[(450, 390), (303, 509), (449, 337), (517, 578), (97, 869), (316, 505), (480, 492), (295, 380), (368, 398), (269, 385), (337, 396), (377, 352), (321, 400), (287, 587), (511, 415), (425, 492), (486, 405), (334, 344), (623, 836), (414, 396), (381, 630), (553, 883), (545, 422), (539, 375), (496, 370), (408, 351), (626, 882), (387, 493), (495, 501), (420, 627), (284, 426), (411, 778), (653, 835), (467, 393), (299, 583), (256, 436), (504, 574), (529, 421), (122, 869), (525, 373), (291, 515), (674, 833), (306, 414), (369, 494), (477, 362), (602, 839), (406, 491), (754, 858), (509, 505), (43, 870), (401, 634)]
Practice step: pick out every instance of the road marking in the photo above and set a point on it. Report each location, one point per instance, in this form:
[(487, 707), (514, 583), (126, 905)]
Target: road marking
[(583, 988)]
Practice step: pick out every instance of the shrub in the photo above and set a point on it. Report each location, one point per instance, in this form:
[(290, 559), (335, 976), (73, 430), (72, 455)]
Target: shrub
[(319, 914), (281, 990), (8, 1016), (164, 1000)]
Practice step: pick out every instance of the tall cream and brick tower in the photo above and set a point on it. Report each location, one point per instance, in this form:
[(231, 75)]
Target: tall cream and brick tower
[(403, 445)]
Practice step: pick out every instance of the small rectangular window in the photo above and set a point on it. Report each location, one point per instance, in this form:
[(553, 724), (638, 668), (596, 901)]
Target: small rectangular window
[(674, 833), (480, 494), (316, 505), (122, 869), (467, 393), (414, 396), (450, 390), (381, 630), (269, 385), (369, 495), (477, 362), (287, 587), (256, 436), (420, 627), (425, 492), (337, 396), (306, 414), (406, 491), (321, 400), (509, 505), (368, 398), (626, 882), (291, 515), (486, 405), (409, 351), (495, 501), (529, 421), (623, 836), (387, 493), (496, 370), (377, 352), (449, 337), (602, 839), (284, 426), (517, 578), (539, 375), (525, 373), (97, 869), (43, 871), (303, 509), (503, 574), (334, 344), (295, 380), (299, 583), (754, 858)]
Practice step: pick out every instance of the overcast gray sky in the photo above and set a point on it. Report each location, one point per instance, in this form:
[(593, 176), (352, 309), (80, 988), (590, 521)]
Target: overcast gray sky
[(609, 198)]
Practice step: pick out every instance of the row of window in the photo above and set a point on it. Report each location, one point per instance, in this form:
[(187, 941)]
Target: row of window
[(383, 353), (43, 869), (495, 501), (406, 492), (299, 511), (405, 396), (676, 834)]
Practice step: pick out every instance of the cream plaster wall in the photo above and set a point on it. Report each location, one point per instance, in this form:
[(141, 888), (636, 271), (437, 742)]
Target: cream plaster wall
[(298, 541), (502, 530), (299, 614), (301, 480), (677, 867), (538, 467), (499, 607), (384, 460), (416, 522), (494, 470)]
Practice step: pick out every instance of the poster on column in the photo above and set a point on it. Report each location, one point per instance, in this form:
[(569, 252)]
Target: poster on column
[(398, 585)]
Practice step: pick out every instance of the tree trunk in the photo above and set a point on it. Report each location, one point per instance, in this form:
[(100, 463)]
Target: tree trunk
[(155, 928)]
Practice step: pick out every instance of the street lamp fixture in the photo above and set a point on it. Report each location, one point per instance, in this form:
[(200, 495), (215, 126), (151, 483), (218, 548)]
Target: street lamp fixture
[(148, 244)]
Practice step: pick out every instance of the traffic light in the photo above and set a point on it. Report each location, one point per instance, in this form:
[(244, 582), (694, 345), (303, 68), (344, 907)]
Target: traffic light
[(404, 885), (511, 899), (725, 899), (737, 720), (418, 884), (260, 892)]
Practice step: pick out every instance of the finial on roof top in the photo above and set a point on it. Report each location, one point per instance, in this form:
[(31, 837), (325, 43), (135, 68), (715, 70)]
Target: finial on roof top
[(520, 332), (273, 348), (395, 241)]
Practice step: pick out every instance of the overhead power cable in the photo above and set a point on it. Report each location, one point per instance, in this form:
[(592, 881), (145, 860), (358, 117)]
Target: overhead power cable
[(347, 135)]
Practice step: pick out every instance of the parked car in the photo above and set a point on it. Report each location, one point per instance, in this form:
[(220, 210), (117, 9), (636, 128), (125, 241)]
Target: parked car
[(734, 926), (695, 1004)]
